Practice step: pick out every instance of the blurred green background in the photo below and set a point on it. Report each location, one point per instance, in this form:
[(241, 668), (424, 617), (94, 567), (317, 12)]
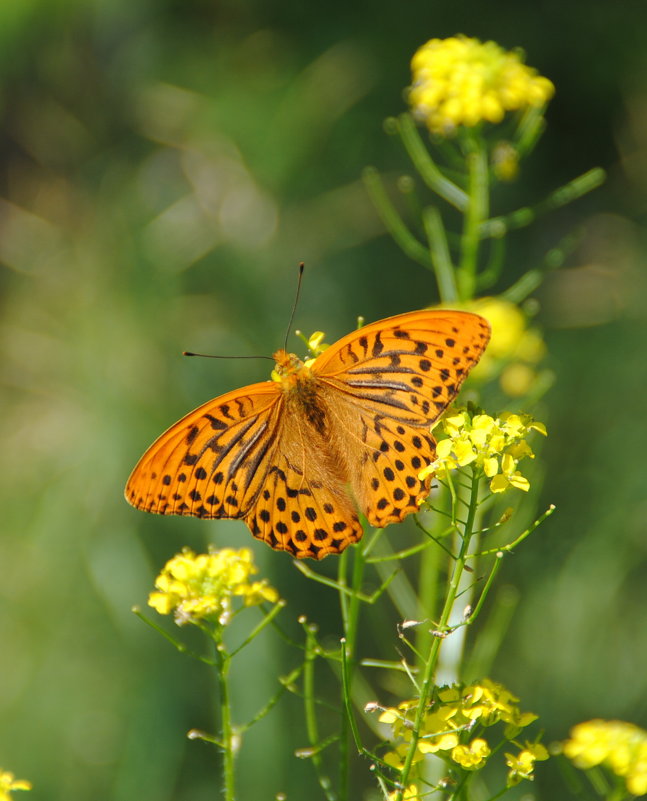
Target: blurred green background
[(165, 166)]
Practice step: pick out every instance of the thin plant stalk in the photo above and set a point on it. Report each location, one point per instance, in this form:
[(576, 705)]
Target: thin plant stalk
[(350, 616), (432, 659), (223, 660), (477, 212), (309, 699)]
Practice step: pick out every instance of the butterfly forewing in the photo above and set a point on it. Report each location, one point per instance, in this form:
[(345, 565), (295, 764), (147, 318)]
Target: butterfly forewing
[(408, 367), (213, 462), (384, 386)]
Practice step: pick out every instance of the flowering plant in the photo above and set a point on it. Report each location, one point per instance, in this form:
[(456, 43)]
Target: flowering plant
[(438, 733)]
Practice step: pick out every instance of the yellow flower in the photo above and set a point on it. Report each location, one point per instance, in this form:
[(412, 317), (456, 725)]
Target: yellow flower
[(496, 445), (203, 586), (463, 81), (620, 746), (8, 784), (488, 702), (431, 743), (398, 756), (410, 794), (522, 765), (316, 344), (473, 755)]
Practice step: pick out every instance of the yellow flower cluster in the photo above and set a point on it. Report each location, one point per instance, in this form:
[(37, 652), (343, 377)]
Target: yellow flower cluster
[(198, 587), (620, 746), (462, 81), (8, 784), (455, 711), (495, 445)]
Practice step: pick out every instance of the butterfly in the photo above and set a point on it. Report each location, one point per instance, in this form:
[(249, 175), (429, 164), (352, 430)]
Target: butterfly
[(296, 457)]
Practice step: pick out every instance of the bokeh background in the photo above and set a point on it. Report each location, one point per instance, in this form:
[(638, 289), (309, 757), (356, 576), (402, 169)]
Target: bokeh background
[(165, 166)]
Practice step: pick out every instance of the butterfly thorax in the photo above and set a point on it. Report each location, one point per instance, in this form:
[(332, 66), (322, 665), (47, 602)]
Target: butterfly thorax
[(299, 384)]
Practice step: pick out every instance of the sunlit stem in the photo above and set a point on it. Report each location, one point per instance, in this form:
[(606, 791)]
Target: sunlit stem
[(443, 624), (223, 662), (181, 647), (312, 729), (579, 186), (496, 566), (348, 703), (427, 169), (429, 586), (269, 617), (350, 616), (502, 610), (440, 256), (477, 211), (518, 540), (451, 650)]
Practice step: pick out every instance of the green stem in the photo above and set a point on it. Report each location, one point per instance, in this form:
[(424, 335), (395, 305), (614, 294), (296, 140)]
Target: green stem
[(426, 167), (477, 211), (314, 752), (269, 617), (512, 545), (488, 586), (308, 686), (348, 704), (493, 269), (351, 622), (227, 732), (392, 220), (440, 256), (573, 190), (354, 606), (428, 590), (430, 667)]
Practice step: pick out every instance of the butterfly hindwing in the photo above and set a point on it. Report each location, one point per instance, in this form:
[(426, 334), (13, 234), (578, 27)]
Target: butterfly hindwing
[(303, 506)]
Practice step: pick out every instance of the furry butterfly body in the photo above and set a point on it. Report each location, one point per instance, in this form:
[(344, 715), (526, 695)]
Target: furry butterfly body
[(297, 457)]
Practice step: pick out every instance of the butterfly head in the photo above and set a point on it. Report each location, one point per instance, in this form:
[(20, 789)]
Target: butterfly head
[(289, 369)]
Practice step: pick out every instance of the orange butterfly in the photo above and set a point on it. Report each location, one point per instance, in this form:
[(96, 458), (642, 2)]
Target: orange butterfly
[(285, 455)]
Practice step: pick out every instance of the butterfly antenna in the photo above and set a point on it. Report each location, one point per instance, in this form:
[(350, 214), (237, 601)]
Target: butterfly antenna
[(294, 305), (211, 356)]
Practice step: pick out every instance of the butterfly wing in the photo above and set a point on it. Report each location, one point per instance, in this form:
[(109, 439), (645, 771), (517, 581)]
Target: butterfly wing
[(283, 465), (242, 456), (213, 462), (383, 387), (303, 506)]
